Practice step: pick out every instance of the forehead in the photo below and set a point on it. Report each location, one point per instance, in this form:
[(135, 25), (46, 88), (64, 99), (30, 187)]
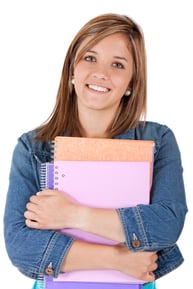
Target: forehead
[(118, 41)]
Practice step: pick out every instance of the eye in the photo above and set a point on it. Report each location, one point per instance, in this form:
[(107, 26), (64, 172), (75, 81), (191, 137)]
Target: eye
[(118, 65), (90, 58)]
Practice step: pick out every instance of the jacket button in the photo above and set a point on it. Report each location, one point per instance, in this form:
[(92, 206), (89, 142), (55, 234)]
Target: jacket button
[(49, 270), (136, 244)]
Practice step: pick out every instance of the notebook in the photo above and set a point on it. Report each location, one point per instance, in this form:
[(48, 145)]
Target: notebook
[(99, 184), (87, 162), (79, 179), (51, 284), (103, 184), (102, 149)]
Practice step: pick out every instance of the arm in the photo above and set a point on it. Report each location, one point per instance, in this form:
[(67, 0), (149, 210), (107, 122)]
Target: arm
[(160, 224), (55, 210), (86, 256), (21, 241), (32, 250), (168, 206)]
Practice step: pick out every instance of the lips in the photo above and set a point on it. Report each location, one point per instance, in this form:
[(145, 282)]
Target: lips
[(98, 88)]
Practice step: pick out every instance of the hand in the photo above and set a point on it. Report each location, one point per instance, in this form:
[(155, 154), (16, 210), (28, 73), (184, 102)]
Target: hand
[(51, 209), (87, 256), (137, 264)]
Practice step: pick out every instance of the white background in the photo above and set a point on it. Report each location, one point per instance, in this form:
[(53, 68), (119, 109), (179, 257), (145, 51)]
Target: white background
[(34, 36)]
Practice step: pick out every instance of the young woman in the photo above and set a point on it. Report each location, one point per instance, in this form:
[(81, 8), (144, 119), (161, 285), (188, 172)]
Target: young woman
[(102, 93)]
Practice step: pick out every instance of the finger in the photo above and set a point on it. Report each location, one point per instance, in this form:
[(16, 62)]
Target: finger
[(33, 199), (30, 215), (153, 266), (38, 198), (32, 224), (31, 206), (46, 192), (154, 256), (150, 277)]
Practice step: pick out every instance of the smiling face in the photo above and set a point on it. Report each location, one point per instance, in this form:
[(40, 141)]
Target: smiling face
[(103, 74)]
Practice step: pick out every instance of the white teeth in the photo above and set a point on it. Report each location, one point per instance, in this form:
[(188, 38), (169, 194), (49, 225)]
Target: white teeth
[(98, 88)]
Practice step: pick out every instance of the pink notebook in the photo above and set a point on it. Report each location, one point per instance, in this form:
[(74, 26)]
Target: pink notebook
[(107, 184)]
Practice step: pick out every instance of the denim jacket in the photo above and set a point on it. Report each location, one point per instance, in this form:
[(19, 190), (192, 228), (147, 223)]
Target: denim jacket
[(156, 227)]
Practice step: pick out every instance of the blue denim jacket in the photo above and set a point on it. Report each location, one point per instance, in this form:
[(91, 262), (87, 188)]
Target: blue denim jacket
[(156, 226)]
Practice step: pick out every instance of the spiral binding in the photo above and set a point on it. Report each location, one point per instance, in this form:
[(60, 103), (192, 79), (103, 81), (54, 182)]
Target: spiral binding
[(46, 169), (43, 172), (52, 149)]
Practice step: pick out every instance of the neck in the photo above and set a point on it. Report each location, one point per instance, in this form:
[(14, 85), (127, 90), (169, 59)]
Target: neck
[(95, 124)]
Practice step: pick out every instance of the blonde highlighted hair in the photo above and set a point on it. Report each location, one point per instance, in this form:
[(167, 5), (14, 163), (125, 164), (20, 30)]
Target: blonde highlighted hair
[(64, 117)]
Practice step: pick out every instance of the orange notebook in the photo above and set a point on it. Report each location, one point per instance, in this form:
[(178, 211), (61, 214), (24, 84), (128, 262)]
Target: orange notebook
[(99, 149)]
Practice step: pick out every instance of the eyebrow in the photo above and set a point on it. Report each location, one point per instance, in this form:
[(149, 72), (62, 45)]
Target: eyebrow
[(121, 58), (116, 56)]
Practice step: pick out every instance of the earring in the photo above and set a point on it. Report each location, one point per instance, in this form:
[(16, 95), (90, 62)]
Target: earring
[(127, 92), (72, 81)]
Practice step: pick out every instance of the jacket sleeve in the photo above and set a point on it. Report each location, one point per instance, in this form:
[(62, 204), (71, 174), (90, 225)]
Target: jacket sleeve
[(159, 225), (30, 250)]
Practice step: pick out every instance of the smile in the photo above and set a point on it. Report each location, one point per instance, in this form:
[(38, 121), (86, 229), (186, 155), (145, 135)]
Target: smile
[(98, 88)]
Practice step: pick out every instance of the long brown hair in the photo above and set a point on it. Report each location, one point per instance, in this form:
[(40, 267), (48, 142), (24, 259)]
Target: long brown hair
[(132, 109)]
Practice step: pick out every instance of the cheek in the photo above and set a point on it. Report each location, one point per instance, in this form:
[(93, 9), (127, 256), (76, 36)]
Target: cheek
[(77, 74), (79, 79), (124, 81), (122, 84), (80, 70)]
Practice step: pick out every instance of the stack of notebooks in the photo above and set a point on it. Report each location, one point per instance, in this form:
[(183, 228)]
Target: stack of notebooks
[(105, 173)]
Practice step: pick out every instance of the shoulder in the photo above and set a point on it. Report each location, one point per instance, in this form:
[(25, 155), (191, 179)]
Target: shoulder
[(161, 134), (28, 139), (152, 131), (28, 136), (163, 137), (148, 131), (28, 142)]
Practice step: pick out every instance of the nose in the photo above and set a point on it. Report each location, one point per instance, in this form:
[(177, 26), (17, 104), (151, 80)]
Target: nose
[(101, 72)]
